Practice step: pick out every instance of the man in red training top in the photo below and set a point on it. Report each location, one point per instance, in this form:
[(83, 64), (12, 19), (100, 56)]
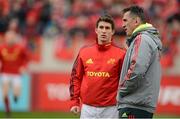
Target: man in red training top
[(13, 60), (95, 74)]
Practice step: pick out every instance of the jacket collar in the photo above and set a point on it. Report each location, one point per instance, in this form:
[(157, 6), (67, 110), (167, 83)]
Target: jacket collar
[(103, 47), (137, 31)]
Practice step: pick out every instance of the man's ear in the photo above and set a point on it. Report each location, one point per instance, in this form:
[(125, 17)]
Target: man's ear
[(95, 30), (138, 20), (113, 32)]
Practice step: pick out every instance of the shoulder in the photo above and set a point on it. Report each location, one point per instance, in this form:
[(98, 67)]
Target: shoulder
[(87, 48), (142, 38), (119, 48), (145, 37), (2, 46), (146, 41)]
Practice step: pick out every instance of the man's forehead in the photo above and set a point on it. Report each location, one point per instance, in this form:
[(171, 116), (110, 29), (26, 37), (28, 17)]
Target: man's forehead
[(126, 14), (103, 23)]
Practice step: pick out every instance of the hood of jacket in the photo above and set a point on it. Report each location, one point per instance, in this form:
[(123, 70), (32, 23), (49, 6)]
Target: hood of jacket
[(146, 29)]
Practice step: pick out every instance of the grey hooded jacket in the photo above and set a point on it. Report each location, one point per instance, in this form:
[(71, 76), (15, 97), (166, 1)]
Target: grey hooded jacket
[(141, 71)]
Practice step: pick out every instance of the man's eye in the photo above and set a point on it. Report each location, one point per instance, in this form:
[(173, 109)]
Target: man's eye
[(107, 27), (101, 27), (124, 20)]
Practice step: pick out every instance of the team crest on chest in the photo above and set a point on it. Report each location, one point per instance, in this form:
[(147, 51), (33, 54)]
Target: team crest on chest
[(111, 61)]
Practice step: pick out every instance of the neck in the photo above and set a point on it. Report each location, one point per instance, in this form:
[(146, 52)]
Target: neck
[(99, 42), (104, 43), (10, 44)]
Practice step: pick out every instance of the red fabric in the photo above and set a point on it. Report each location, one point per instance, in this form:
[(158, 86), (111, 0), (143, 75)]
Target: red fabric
[(34, 44), (6, 101), (62, 51), (13, 58), (132, 66), (4, 4), (95, 76), (167, 61)]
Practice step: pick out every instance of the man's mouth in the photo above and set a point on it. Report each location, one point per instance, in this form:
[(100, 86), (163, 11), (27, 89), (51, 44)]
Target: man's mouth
[(103, 36)]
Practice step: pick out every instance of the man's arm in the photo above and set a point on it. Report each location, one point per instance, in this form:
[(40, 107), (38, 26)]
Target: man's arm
[(75, 81), (139, 63), (25, 59)]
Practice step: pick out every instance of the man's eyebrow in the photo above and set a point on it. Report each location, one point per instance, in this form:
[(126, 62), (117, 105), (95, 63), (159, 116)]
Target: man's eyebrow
[(107, 26)]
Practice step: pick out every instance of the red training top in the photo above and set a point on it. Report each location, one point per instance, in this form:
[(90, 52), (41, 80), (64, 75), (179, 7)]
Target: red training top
[(12, 58), (95, 75)]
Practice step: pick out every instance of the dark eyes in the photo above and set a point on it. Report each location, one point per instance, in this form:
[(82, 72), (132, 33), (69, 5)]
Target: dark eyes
[(124, 20), (102, 27)]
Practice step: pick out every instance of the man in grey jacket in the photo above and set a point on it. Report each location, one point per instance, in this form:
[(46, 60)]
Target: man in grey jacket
[(141, 72)]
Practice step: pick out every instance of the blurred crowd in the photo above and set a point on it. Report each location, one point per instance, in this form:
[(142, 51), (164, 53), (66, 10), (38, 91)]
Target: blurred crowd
[(69, 22)]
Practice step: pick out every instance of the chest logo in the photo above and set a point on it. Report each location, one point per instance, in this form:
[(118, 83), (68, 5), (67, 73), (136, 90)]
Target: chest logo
[(10, 56), (89, 61)]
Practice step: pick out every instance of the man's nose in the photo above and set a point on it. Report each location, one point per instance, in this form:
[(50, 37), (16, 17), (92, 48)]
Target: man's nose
[(124, 26), (103, 30)]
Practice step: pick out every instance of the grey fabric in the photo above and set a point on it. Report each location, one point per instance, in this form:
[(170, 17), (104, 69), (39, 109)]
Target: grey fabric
[(141, 88)]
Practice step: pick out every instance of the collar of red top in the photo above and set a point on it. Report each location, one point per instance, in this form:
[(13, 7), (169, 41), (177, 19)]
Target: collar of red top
[(104, 46)]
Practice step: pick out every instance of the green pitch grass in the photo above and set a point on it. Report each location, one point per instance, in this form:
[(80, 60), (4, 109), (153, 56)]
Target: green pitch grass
[(61, 115), (40, 115)]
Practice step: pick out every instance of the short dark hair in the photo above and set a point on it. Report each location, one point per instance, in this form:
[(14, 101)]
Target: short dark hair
[(137, 11), (106, 18)]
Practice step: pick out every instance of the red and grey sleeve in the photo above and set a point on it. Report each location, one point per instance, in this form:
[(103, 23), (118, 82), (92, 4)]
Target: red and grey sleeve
[(75, 81)]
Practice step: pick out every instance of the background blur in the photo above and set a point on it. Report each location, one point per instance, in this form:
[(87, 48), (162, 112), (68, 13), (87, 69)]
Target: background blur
[(54, 31)]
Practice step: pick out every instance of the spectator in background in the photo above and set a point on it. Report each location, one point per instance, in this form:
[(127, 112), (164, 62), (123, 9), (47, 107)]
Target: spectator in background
[(95, 74), (170, 47), (4, 7), (13, 60), (4, 19), (32, 35), (14, 27), (141, 72), (19, 9)]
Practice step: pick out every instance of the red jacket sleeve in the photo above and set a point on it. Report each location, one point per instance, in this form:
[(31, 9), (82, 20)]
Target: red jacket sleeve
[(75, 81), (25, 57)]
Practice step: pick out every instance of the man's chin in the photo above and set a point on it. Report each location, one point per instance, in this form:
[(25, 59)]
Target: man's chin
[(104, 40)]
